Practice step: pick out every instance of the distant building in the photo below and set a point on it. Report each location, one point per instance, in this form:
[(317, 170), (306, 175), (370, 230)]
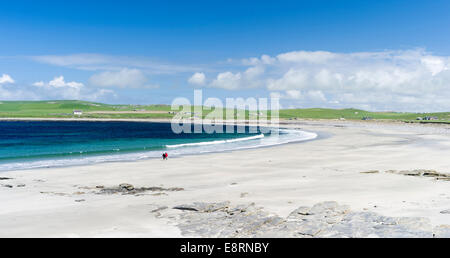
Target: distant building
[(77, 112)]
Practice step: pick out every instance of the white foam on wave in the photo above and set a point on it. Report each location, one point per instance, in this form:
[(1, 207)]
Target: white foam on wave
[(283, 137), (215, 142)]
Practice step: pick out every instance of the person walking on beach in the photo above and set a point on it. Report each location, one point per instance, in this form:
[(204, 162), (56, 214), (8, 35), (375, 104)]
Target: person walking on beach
[(165, 156)]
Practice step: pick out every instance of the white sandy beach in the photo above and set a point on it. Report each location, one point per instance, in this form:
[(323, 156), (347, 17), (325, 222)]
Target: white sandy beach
[(61, 202)]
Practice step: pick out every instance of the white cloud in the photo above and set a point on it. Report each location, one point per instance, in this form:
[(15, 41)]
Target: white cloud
[(250, 78), (265, 59), (227, 80), (398, 80), (318, 57), (434, 64), (198, 79), (317, 95), (6, 79), (17, 94), (307, 96), (59, 82), (125, 78), (58, 88), (73, 60), (39, 84), (254, 72), (276, 95), (294, 94), (292, 79), (403, 80), (102, 93), (98, 62)]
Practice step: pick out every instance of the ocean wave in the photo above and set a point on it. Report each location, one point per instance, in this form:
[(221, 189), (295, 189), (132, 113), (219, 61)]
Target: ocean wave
[(215, 142)]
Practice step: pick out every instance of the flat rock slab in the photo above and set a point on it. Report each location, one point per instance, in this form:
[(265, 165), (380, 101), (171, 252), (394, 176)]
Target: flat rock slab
[(326, 219), (131, 190), (445, 212), (422, 173)]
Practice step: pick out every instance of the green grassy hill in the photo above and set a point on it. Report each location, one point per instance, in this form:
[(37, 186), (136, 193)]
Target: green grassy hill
[(356, 114), (65, 108)]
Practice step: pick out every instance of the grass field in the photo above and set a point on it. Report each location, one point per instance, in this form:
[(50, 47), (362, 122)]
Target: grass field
[(65, 108), (356, 114)]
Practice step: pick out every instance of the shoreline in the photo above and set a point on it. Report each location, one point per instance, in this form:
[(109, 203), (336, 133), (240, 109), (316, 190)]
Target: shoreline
[(143, 159), (282, 121), (350, 168)]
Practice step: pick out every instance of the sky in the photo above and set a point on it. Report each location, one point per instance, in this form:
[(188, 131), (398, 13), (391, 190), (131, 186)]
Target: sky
[(385, 55)]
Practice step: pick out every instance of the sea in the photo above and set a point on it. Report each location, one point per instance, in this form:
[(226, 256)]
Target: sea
[(43, 144)]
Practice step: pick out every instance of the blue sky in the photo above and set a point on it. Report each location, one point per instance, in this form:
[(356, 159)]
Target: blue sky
[(377, 55)]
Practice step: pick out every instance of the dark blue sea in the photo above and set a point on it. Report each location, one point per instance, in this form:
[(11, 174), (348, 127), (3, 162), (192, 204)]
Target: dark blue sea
[(38, 144)]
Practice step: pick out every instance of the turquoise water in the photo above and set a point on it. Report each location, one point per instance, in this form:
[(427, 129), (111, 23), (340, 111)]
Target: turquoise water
[(36, 144)]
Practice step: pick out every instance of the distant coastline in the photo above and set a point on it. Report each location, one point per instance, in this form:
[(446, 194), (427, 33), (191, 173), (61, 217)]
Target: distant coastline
[(282, 121), (75, 110)]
